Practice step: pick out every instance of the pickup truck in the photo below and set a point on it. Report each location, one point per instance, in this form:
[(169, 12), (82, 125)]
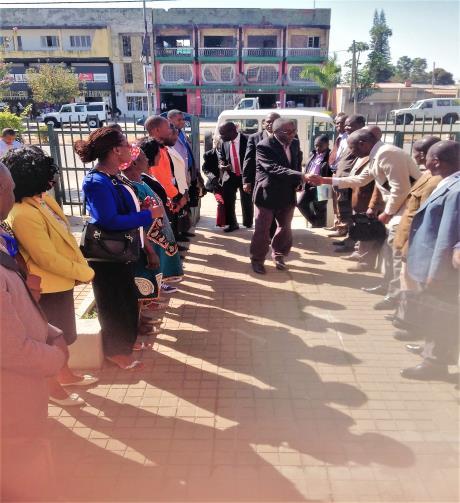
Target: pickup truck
[(442, 110)]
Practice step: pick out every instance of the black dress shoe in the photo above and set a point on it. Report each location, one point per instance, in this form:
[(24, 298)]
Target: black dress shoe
[(379, 289), (188, 234), (344, 249), (339, 243), (406, 336), (426, 371), (386, 303), (280, 264), (258, 268), (414, 348), (231, 228)]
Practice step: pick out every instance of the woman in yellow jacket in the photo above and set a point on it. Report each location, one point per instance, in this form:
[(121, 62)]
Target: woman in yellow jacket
[(50, 252)]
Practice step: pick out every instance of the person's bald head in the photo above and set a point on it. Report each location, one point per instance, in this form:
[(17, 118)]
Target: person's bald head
[(443, 158), (228, 131), (361, 142), (158, 127), (421, 147), (375, 131), (6, 191), (269, 120), (285, 130)]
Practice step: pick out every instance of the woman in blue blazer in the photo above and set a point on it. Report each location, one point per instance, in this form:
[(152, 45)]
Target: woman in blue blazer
[(112, 208)]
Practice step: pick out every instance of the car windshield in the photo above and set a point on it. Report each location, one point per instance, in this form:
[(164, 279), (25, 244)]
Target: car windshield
[(417, 104)]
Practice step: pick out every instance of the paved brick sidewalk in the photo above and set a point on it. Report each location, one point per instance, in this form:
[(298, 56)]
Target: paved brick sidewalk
[(276, 388)]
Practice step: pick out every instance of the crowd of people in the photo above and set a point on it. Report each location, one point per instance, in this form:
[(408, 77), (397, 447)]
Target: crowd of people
[(142, 200)]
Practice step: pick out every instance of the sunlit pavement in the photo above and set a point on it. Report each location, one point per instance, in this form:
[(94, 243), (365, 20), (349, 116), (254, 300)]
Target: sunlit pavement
[(284, 387)]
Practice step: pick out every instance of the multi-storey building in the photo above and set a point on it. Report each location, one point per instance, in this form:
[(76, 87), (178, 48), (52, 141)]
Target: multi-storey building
[(205, 60)]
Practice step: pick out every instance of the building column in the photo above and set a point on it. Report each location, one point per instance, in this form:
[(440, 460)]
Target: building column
[(283, 98), (198, 102)]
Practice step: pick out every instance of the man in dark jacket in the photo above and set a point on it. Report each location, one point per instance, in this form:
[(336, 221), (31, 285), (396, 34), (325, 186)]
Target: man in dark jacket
[(278, 175), (231, 154)]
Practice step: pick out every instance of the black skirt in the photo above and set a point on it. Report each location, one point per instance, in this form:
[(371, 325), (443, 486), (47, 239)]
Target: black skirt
[(60, 311)]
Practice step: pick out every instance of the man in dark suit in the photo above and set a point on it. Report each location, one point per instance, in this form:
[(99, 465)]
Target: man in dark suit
[(249, 166), (231, 154), (278, 175)]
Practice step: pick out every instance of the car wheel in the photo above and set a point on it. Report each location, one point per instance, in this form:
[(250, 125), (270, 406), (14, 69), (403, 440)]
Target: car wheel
[(54, 122), (450, 118), (407, 119), (93, 122), (399, 119)]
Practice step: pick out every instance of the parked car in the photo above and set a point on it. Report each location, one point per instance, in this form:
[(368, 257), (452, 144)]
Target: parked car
[(95, 114), (445, 110), (187, 117)]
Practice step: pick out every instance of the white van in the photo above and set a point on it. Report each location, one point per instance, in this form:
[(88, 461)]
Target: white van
[(250, 121), (445, 110), (94, 113)]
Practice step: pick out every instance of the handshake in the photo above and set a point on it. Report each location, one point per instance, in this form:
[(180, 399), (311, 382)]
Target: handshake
[(315, 179)]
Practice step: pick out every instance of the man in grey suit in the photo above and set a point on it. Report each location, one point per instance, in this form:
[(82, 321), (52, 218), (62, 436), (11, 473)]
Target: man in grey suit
[(433, 257)]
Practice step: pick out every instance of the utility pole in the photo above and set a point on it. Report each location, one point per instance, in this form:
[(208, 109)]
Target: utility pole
[(354, 78), (146, 46)]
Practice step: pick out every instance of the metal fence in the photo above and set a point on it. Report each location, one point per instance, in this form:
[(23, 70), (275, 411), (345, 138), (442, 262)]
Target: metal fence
[(59, 142)]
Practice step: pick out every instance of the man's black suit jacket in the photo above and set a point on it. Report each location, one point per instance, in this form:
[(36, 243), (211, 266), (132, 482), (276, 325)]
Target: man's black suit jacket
[(249, 166), (223, 153), (276, 177)]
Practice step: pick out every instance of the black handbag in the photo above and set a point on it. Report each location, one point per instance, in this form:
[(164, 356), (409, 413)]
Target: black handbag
[(364, 228), (111, 246)]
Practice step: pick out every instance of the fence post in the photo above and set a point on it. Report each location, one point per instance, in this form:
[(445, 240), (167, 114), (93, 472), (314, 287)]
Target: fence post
[(56, 155), (398, 139), (195, 137)]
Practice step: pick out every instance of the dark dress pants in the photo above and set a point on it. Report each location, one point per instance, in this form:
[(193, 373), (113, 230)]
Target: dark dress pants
[(312, 210), (282, 240), (116, 298), (229, 190)]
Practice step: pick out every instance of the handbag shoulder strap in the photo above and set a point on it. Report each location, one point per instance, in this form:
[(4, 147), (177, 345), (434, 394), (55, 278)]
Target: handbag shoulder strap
[(116, 182)]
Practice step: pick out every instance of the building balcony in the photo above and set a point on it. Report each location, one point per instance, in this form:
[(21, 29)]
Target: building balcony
[(262, 54), (218, 54), (174, 53), (306, 54)]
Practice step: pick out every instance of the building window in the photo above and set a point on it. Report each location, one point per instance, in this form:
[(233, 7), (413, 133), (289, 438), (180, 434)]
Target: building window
[(176, 74), (19, 39), (262, 74), (137, 103), (218, 73), (50, 41), (80, 41), (5, 42), (313, 42), (126, 46), (262, 41), (128, 68)]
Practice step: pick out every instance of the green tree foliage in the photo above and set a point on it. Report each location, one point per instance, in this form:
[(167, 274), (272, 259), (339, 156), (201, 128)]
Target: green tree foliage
[(364, 83), (4, 72), (442, 77), (326, 76), (16, 122), (411, 69), (379, 59), (54, 84)]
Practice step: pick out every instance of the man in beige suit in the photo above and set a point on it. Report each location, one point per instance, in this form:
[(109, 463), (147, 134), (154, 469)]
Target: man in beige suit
[(31, 351), (393, 171)]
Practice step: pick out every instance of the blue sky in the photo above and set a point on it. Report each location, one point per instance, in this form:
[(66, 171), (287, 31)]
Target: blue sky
[(421, 28)]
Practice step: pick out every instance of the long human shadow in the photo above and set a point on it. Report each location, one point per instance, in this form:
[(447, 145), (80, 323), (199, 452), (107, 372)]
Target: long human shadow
[(160, 458)]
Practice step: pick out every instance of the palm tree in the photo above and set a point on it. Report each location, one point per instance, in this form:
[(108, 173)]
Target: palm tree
[(327, 76)]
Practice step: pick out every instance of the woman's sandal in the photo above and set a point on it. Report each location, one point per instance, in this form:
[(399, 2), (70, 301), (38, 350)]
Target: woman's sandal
[(134, 365)]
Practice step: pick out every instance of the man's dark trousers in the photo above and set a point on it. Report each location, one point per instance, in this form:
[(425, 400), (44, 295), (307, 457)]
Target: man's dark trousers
[(229, 190), (282, 240)]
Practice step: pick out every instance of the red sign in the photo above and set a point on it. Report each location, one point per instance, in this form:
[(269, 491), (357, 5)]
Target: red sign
[(86, 77)]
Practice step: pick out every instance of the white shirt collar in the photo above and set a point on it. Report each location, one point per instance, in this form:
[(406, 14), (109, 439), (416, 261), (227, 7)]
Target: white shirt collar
[(448, 179)]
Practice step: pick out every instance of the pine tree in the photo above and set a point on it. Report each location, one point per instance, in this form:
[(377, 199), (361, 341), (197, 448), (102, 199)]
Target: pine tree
[(379, 59)]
